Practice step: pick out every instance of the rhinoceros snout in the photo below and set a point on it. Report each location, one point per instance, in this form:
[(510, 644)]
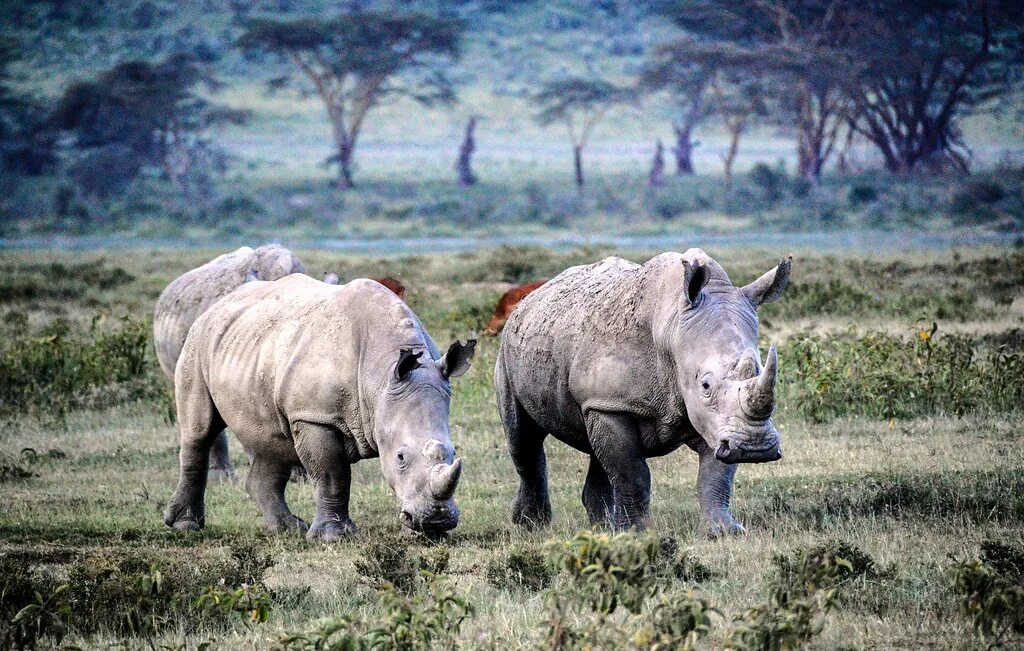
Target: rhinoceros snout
[(437, 518), (729, 452)]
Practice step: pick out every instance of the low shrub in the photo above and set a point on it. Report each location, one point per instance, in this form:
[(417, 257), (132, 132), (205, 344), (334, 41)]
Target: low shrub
[(394, 562), (63, 369), (429, 619), (800, 594), (522, 566), (992, 597), (881, 376)]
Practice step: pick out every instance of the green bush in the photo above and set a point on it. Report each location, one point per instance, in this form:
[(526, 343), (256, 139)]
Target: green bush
[(63, 369), (881, 376), (429, 619), (800, 594), (992, 598), (522, 566), (392, 561)]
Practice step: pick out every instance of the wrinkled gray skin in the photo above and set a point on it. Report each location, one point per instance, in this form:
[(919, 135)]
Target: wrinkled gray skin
[(325, 375), (192, 293), (626, 362)]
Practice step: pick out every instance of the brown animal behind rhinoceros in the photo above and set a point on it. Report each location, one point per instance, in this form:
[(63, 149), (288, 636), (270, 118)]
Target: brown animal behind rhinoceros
[(507, 303), (396, 287), (192, 293)]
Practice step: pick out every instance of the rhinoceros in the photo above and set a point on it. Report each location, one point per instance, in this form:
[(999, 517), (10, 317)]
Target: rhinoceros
[(625, 362), (192, 293), (325, 375)]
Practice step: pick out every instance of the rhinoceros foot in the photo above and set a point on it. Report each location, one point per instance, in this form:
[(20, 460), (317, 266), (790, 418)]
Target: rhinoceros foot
[(331, 530), (285, 523), (721, 529), (530, 513), (184, 517)]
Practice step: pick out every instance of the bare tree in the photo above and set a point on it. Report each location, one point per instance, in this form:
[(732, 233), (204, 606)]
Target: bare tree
[(579, 104), (464, 164), (656, 178)]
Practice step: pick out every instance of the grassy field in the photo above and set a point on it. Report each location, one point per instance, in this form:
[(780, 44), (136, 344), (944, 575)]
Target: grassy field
[(911, 491)]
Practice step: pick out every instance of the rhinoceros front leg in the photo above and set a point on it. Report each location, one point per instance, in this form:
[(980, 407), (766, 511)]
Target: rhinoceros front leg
[(616, 444), (265, 484), (714, 490), (598, 496), (326, 463)]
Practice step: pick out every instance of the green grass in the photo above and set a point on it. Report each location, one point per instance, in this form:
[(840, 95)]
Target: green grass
[(910, 493)]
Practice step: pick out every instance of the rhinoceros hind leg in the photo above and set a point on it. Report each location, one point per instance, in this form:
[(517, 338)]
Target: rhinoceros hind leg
[(200, 422), (221, 467), (598, 496), (616, 444), (714, 491), (531, 507), (265, 484), (326, 463)]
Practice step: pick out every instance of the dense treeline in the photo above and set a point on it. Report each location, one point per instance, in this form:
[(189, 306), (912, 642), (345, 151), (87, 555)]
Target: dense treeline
[(833, 73)]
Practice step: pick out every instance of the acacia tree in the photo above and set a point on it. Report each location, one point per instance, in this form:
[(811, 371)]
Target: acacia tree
[(736, 98), (792, 43), (356, 61), (26, 141), (926, 66), (140, 114), (687, 80), (579, 104)]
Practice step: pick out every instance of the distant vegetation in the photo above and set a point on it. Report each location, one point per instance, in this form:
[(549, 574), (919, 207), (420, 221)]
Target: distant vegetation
[(138, 130)]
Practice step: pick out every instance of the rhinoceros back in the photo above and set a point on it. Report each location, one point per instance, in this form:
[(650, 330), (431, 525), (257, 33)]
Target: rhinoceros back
[(271, 353), (192, 293)]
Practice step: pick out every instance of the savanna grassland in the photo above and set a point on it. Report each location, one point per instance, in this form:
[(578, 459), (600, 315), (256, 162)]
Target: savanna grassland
[(902, 380)]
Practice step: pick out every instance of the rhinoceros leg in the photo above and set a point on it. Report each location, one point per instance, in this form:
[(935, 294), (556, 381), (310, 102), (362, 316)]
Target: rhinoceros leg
[(532, 506), (265, 484), (616, 444), (199, 422), (714, 490), (327, 464), (220, 458), (598, 496)]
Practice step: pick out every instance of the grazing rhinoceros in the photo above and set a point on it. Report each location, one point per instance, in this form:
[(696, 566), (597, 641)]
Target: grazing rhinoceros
[(325, 375), (625, 362), (192, 293)]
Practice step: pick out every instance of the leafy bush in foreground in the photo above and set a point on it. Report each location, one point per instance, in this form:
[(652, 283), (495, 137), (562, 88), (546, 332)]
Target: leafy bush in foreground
[(881, 376), (993, 598), (800, 594), (429, 619)]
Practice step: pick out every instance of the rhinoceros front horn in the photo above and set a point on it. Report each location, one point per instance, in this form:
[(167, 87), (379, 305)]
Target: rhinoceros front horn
[(444, 479), (759, 394)]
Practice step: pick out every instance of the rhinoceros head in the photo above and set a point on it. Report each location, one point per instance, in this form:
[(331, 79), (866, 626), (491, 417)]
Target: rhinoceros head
[(728, 393), (273, 261), (416, 451)]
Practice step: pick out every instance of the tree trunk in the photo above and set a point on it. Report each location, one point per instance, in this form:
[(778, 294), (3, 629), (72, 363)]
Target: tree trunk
[(577, 156), (735, 131), (464, 165), (345, 146), (345, 168), (657, 176), (684, 148)]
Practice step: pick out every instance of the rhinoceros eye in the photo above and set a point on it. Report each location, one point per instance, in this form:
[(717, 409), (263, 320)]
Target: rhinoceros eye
[(706, 383), (401, 461)]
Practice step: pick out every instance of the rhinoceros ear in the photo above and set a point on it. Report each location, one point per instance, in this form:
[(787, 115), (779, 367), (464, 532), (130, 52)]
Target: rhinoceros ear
[(770, 286), (408, 361), (456, 361), (251, 276), (695, 276), (331, 278)]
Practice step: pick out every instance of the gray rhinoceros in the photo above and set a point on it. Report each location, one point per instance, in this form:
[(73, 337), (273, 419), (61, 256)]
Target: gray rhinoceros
[(626, 362), (325, 375), (192, 293)]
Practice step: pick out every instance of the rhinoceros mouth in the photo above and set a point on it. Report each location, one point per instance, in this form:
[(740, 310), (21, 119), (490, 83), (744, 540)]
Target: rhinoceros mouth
[(760, 445), (439, 520)]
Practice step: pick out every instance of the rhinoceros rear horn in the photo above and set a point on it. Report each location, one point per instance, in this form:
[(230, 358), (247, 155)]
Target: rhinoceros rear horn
[(759, 394), (444, 479)]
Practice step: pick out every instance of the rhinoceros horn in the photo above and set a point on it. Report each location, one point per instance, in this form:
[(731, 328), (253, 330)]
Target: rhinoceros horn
[(444, 479), (759, 394)]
